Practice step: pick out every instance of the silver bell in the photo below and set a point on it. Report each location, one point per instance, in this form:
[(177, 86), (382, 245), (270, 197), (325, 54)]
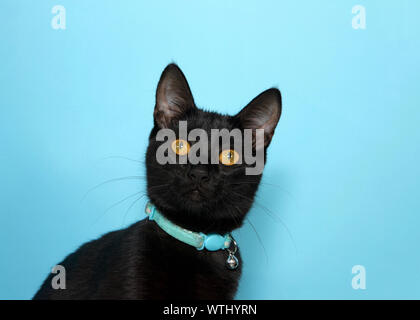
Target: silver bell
[(232, 262)]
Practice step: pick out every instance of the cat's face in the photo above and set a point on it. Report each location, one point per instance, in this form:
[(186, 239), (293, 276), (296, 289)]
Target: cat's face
[(210, 197)]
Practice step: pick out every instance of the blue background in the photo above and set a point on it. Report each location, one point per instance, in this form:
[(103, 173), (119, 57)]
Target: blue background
[(342, 178)]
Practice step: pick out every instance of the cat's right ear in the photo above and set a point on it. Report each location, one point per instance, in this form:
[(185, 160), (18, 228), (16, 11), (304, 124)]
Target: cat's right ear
[(173, 96)]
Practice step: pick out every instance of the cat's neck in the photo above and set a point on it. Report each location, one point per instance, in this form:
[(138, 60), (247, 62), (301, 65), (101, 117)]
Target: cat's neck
[(197, 222)]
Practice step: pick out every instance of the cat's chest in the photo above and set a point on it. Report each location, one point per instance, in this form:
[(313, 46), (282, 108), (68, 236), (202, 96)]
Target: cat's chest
[(182, 271)]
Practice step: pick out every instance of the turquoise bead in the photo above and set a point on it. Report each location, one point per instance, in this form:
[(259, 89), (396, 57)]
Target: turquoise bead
[(214, 242)]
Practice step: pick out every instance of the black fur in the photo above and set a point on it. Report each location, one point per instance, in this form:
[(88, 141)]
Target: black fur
[(142, 261)]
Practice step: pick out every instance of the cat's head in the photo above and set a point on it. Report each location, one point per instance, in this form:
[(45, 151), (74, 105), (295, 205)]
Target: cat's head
[(206, 197)]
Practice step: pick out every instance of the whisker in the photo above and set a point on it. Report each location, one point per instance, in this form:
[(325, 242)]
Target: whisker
[(255, 231), (264, 184), (159, 186), (114, 205), (124, 158), (259, 239), (131, 205), (253, 201), (230, 213), (282, 223), (272, 215), (109, 181)]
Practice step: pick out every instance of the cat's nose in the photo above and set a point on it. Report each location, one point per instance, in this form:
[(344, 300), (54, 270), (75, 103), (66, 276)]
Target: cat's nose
[(199, 175)]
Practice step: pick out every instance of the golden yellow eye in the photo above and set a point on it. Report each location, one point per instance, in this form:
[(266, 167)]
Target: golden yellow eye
[(229, 157), (180, 147)]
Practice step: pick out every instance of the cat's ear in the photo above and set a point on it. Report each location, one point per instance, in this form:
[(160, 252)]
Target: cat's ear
[(173, 96), (263, 112)]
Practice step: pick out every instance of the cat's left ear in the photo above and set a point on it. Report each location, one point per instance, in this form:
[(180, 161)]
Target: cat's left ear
[(173, 96), (263, 112)]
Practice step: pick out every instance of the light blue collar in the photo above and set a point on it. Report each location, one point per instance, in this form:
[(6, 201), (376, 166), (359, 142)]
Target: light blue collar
[(211, 242)]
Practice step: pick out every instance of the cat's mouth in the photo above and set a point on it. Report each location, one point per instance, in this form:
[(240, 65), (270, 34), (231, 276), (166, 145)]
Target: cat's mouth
[(195, 194)]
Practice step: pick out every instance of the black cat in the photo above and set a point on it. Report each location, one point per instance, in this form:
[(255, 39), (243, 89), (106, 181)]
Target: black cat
[(145, 262)]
